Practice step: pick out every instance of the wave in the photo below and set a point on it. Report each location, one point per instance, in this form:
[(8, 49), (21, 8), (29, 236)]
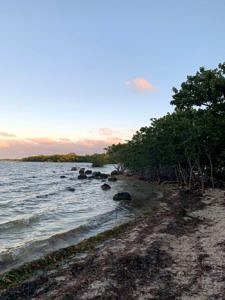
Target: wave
[(19, 223), (25, 185), (92, 224), (46, 195), (35, 249)]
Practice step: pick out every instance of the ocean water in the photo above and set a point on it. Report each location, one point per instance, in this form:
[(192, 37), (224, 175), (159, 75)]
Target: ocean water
[(39, 215)]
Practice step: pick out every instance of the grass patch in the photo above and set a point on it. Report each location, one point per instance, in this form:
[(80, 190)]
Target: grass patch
[(53, 259)]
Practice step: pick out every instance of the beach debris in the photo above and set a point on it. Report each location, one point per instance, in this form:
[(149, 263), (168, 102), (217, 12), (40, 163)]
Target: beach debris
[(74, 169), (62, 176)]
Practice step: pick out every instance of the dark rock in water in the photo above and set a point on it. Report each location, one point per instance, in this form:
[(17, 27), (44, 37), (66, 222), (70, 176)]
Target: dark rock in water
[(70, 189), (122, 196), (88, 172), (115, 172), (105, 187), (104, 176), (82, 171), (112, 179), (82, 176), (62, 176), (74, 169), (94, 174), (96, 165), (99, 175)]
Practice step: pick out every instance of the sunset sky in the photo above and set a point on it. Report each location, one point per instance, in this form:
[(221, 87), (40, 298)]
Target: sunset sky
[(77, 75)]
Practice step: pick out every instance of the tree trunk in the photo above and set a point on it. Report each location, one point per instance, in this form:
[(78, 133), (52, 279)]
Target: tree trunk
[(201, 175), (158, 179), (191, 167), (177, 176), (211, 170), (182, 174)]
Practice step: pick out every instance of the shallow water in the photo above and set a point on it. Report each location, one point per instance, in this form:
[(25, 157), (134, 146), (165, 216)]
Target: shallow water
[(38, 214)]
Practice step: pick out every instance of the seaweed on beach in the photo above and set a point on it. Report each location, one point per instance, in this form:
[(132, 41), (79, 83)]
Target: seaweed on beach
[(55, 258)]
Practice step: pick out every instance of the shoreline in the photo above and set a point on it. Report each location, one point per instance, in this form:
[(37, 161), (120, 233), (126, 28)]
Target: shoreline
[(175, 252), (145, 197)]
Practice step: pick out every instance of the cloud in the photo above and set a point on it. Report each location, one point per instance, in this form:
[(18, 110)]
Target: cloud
[(6, 134), (64, 140), (140, 85), (3, 144), (42, 141), (105, 131), (108, 133), (15, 148)]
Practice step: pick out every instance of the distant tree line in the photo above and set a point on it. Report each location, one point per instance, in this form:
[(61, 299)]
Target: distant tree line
[(96, 159), (188, 145)]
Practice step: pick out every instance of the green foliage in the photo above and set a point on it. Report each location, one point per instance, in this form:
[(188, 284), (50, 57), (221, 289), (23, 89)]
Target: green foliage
[(187, 145), (98, 160), (206, 89)]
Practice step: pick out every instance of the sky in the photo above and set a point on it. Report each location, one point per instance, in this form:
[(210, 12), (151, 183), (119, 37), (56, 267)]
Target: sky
[(78, 75)]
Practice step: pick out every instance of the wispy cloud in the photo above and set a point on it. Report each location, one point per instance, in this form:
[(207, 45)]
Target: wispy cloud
[(105, 131), (42, 141), (6, 134), (140, 85), (108, 132)]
